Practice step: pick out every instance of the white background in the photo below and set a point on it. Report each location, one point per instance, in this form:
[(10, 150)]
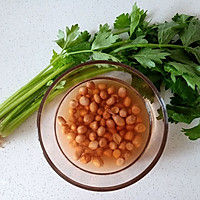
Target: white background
[(27, 31)]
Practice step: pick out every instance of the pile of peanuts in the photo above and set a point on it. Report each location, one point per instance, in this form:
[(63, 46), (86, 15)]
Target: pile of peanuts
[(103, 121)]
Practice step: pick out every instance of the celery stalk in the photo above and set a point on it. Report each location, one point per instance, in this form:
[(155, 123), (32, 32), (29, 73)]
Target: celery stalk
[(27, 107)]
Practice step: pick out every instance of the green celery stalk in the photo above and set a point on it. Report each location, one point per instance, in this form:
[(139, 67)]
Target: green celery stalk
[(26, 87), (24, 110), (6, 109)]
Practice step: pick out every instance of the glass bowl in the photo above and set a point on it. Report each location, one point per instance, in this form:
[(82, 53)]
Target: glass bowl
[(59, 153)]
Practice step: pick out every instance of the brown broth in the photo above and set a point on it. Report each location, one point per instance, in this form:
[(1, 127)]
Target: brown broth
[(109, 163)]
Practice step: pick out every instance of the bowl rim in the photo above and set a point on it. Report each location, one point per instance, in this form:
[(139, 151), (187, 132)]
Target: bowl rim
[(143, 173)]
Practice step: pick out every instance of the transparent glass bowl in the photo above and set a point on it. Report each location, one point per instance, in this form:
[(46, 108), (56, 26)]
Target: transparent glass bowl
[(56, 154)]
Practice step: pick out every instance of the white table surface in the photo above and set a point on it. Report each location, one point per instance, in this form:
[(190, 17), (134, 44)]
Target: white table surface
[(27, 31)]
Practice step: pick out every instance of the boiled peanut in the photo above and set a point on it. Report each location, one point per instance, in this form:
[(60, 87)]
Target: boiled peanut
[(94, 125), (103, 103), (129, 135), (101, 131), (82, 129), (120, 128), (102, 122), (83, 112), (118, 120), (86, 142), (108, 136), (122, 92), (73, 103), (129, 146), (98, 118), (73, 127), (93, 145), (88, 118), (99, 151), (103, 94), (85, 158), (102, 86), (71, 136), (90, 85), (106, 115), (65, 129), (122, 145), (117, 138), (73, 143), (80, 138), (112, 145), (103, 142), (137, 141), (97, 161), (92, 136), (110, 123), (114, 110), (97, 98), (130, 127), (93, 107), (111, 90), (126, 154), (122, 133), (123, 112), (110, 101), (112, 130), (135, 110), (84, 101), (140, 128), (61, 120), (83, 90), (120, 161), (88, 150), (127, 101), (71, 111), (100, 111), (78, 152), (116, 153), (119, 105), (131, 119), (108, 153)]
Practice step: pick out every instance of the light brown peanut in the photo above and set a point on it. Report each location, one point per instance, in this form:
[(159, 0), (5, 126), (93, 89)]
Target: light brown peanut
[(61, 120), (97, 161), (117, 138), (129, 135), (118, 120), (102, 86), (84, 101), (111, 90), (93, 107), (120, 161), (90, 85), (131, 119), (85, 158), (116, 153), (122, 92), (127, 101), (83, 90)]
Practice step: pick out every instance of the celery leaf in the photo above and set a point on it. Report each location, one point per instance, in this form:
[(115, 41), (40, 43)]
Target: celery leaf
[(104, 38), (148, 57), (192, 133)]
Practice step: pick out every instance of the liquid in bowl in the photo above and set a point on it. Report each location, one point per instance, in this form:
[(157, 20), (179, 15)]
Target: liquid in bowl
[(109, 163)]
